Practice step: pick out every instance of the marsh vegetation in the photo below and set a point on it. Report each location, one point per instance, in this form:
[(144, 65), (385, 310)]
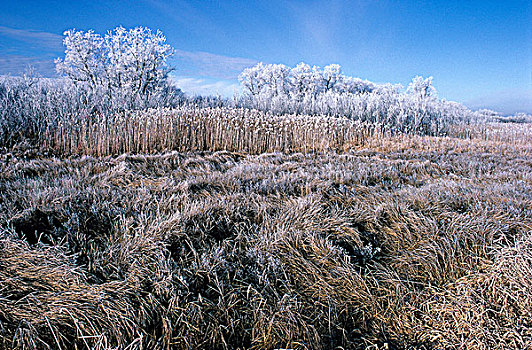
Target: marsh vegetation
[(405, 242), (339, 214)]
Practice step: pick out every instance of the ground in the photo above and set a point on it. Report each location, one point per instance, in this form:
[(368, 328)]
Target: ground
[(400, 243)]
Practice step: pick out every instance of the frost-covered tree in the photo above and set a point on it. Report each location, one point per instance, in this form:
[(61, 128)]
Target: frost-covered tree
[(353, 85), (267, 79), (277, 78), (123, 62), (251, 79), (331, 74), (327, 91), (301, 77), (84, 61), (421, 87)]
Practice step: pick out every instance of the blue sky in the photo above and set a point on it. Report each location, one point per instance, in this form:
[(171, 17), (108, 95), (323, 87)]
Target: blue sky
[(479, 52)]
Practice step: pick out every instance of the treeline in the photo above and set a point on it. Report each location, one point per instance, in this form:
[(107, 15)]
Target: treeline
[(327, 91), (35, 109), (126, 70)]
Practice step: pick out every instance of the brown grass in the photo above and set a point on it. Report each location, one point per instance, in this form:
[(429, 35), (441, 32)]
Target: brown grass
[(209, 129), (399, 243)]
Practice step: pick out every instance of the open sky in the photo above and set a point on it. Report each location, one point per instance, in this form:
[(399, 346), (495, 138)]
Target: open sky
[(479, 52)]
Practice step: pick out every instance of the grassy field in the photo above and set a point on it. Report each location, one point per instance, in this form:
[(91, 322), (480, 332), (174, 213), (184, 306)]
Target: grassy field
[(389, 242)]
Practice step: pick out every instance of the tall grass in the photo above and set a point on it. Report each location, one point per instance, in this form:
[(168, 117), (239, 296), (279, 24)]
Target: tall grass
[(504, 133), (208, 129), (240, 130)]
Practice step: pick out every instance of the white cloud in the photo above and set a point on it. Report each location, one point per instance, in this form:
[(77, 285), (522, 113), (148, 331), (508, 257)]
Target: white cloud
[(318, 23), (203, 86), (40, 39), (17, 64), (212, 65)]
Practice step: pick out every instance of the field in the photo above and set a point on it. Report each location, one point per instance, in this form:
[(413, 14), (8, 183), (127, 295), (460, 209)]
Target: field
[(339, 240)]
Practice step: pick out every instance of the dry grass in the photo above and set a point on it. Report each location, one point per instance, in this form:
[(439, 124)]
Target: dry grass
[(495, 133), (409, 242), (210, 129)]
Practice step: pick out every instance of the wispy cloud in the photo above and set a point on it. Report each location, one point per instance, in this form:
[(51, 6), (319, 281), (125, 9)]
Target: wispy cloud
[(211, 65), (318, 23), (200, 86), (190, 15), (43, 40), (17, 64)]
